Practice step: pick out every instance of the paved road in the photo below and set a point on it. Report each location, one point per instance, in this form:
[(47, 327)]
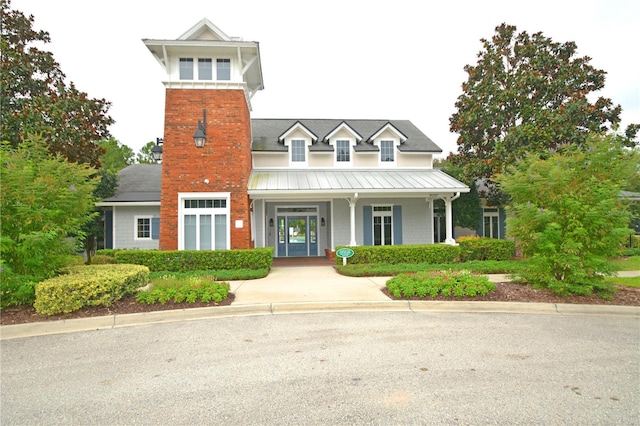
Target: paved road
[(331, 368)]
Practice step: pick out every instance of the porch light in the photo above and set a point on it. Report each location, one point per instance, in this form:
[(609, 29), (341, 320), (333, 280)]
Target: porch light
[(200, 136), (271, 223), (322, 222), (156, 151)]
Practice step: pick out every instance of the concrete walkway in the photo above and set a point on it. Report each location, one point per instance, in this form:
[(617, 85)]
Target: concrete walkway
[(309, 289)]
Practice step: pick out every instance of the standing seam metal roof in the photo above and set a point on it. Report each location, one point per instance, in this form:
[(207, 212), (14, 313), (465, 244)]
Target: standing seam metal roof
[(262, 182)]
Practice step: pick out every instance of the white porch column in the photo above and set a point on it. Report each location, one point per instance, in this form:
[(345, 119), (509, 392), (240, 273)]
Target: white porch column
[(449, 219), (352, 211)]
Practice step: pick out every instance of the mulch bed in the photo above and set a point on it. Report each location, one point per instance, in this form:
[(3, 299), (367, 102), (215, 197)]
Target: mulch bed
[(505, 292)]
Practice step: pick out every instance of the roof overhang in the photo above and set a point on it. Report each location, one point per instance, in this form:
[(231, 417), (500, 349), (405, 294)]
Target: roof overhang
[(332, 183)]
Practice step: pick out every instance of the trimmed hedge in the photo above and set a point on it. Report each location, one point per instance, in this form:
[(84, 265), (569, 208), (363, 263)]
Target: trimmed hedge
[(478, 248), (91, 285), (442, 283), (423, 253), (198, 260)]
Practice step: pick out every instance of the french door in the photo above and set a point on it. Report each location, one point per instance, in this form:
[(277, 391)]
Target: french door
[(297, 235)]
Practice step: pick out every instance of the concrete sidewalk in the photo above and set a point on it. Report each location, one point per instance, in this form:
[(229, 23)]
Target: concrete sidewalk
[(307, 284)]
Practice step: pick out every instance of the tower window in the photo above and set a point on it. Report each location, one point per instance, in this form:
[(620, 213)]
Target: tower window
[(186, 68), (223, 69), (205, 69)]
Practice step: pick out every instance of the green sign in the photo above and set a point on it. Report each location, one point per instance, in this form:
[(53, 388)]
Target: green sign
[(345, 252)]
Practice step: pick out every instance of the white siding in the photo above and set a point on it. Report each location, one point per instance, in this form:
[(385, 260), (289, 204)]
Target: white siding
[(417, 221), (124, 226)]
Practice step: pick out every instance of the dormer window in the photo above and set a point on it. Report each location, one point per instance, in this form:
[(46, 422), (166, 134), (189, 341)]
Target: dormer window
[(205, 69), (343, 152), (298, 147), (387, 151), (223, 69), (186, 68)]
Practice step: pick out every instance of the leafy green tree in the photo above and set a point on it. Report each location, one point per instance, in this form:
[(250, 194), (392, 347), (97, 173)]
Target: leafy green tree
[(567, 214), (116, 156), (36, 100), (466, 209), (45, 202), (526, 94), (94, 229), (145, 156)]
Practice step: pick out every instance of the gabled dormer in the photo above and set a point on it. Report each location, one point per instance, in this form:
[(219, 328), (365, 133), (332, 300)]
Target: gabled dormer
[(204, 57), (298, 139), (387, 140), (343, 139)]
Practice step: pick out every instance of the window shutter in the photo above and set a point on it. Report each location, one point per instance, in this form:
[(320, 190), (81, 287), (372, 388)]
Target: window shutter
[(155, 228), (502, 222), (367, 221), (397, 225), (108, 228)]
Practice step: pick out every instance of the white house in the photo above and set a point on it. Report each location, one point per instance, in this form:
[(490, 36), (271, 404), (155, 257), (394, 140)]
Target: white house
[(299, 185)]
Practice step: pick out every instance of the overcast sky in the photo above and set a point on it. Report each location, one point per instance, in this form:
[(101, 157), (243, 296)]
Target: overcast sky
[(345, 59)]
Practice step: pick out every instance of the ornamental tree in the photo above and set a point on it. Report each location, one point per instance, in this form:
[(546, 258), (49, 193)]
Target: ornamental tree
[(35, 98), (45, 200), (567, 215), (526, 95)]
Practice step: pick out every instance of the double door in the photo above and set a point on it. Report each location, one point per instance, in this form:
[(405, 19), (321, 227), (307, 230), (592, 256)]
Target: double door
[(297, 235)]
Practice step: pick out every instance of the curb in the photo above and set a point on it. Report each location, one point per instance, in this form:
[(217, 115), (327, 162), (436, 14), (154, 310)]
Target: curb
[(192, 314)]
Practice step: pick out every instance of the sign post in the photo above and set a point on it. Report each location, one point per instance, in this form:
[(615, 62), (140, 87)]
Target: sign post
[(345, 253)]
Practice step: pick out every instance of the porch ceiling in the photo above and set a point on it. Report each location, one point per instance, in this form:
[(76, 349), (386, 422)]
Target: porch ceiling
[(339, 183)]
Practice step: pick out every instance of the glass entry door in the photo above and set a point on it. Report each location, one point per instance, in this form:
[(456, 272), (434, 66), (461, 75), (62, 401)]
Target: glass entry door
[(297, 236)]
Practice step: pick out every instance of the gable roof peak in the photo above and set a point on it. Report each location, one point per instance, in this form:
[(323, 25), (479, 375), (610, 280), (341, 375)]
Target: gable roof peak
[(206, 30)]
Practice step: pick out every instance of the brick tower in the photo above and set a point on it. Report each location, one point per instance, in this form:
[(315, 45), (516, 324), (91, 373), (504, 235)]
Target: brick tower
[(210, 80)]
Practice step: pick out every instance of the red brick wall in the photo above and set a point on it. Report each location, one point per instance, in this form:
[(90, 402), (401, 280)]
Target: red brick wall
[(225, 159)]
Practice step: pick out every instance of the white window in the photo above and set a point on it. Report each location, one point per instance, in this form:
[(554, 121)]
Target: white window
[(205, 69), (223, 69), (143, 228), (298, 148), (490, 222), (343, 153), (386, 151), (186, 68), (382, 226), (205, 221)]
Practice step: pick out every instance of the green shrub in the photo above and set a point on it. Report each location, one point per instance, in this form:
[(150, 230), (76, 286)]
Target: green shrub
[(423, 253), (91, 285), (108, 252), (101, 259), (170, 288), (16, 290), (486, 249), (198, 260), (441, 283)]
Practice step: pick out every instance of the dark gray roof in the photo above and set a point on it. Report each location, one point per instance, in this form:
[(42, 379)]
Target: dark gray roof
[(267, 131), (138, 183)]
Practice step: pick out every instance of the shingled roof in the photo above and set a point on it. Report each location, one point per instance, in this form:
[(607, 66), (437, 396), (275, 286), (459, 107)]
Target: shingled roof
[(138, 183), (266, 134)]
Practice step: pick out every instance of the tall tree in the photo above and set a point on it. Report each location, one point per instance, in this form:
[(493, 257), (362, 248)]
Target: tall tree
[(145, 156), (116, 155), (466, 209), (526, 94), (36, 100)]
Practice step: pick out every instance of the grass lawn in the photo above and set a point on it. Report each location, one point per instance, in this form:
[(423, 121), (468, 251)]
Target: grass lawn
[(628, 282), (631, 263)]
